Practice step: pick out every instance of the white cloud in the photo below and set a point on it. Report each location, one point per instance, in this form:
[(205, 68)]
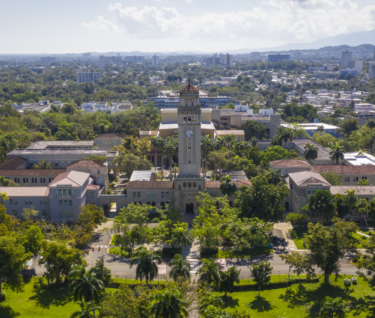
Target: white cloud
[(282, 20)]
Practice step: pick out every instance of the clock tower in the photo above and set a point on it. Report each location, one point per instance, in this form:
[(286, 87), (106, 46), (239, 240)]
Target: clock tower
[(189, 132), (189, 182)]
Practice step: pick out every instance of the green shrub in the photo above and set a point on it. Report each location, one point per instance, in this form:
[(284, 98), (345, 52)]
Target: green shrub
[(293, 234)]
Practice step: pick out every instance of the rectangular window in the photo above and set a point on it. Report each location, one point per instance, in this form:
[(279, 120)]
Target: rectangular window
[(15, 201), (92, 195), (17, 180), (162, 194), (62, 163), (65, 214), (64, 191), (99, 180), (60, 202), (139, 194), (42, 180), (44, 212), (50, 180), (70, 214), (148, 194), (364, 178), (65, 203), (30, 202), (33, 180), (59, 192), (98, 171), (309, 191), (26, 202), (45, 202), (167, 195), (134, 194), (70, 203), (69, 191), (25, 180), (89, 170), (41, 202), (11, 201), (152, 194), (56, 164)]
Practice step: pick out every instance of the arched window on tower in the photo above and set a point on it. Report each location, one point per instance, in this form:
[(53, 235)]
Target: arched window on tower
[(189, 119), (184, 119)]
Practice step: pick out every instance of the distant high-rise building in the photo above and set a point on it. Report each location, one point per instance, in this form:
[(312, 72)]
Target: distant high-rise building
[(154, 60), (86, 55), (213, 60), (371, 70), (227, 59), (83, 77), (358, 66), (134, 59), (102, 62), (346, 57), (47, 59), (278, 57)]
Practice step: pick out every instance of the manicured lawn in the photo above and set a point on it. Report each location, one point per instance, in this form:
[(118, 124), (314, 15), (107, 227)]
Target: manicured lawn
[(245, 253), (302, 301), (301, 231), (274, 279)]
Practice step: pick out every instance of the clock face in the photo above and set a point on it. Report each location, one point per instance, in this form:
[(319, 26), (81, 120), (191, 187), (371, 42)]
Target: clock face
[(189, 133)]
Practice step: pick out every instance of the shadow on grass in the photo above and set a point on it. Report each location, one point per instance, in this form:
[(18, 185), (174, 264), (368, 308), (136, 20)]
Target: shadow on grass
[(7, 312), (229, 301), (261, 304), (53, 295), (314, 299)]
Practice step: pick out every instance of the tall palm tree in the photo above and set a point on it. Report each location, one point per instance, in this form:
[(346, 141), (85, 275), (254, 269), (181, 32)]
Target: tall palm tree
[(160, 143), (274, 177), (155, 145), (337, 153), (209, 273), (170, 148), (229, 141), (86, 310), (207, 143), (146, 267), (351, 200), (218, 143), (311, 152), (86, 285), (333, 307), (209, 300), (227, 187), (169, 303), (254, 141), (180, 236), (370, 123), (180, 268)]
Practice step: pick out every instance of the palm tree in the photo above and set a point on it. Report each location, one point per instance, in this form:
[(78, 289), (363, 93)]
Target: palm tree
[(170, 148), (311, 152), (155, 145), (209, 300), (180, 268), (86, 309), (337, 153), (227, 187), (333, 307), (180, 236), (370, 123), (320, 129), (209, 273), (351, 200), (207, 143), (85, 285), (160, 146), (168, 303), (146, 267), (229, 141), (254, 141), (241, 147), (274, 177), (219, 142)]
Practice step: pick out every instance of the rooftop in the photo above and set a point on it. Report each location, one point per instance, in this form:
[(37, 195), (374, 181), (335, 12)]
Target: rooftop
[(307, 177), (61, 143), (341, 169), (230, 132), (31, 172), (25, 191), (56, 152), (358, 190), (73, 178), (88, 164), (311, 126), (323, 153), (289, 163), (149, 185), (109, 136), (216, 184), (358, 159), (13, 163), (141, 175)]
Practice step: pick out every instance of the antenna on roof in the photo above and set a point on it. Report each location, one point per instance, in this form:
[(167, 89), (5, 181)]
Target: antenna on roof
[(189, 78)]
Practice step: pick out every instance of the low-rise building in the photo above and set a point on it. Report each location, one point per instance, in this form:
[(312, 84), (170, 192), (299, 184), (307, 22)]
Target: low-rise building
[(313, 128), (108, 141), (286, 166), (350, 175)]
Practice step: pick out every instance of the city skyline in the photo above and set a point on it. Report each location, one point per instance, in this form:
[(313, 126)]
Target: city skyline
[(164, 25)]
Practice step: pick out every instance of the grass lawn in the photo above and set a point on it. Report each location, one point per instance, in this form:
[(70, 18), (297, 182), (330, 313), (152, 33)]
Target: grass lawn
[(245, 253), (274, 279), (299, 231), (305, 300)]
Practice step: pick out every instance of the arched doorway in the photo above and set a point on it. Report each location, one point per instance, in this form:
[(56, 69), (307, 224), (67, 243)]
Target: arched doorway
[(286, 206), (189, 208)]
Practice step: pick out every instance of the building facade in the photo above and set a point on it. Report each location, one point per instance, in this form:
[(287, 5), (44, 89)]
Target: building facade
[(83, 77)]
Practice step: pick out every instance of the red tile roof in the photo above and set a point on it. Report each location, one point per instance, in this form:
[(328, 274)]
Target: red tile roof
[(341, 169), (31, 172), (289, 163), (216, 184), (92, 187), (150, 185), (12, 164), (87, 164), (189, 88)]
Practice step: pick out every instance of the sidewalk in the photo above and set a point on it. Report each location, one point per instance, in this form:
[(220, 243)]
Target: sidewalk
[(284, 228)]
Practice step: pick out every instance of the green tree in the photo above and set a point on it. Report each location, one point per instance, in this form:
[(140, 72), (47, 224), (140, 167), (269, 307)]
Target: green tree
[(180, 268), (254, 129), (209, 300), (86, 285), (101, 272), (44, 164), (337, 153), (333, 307), (12, 260), (168, 303), (274, 177), (366, 262), (209, 273), (146, 268), (129, 162), (347, 126), (59, 260), (170, 148), (135, 213), (87, 310), (371, 123), (299, 263), (6, 219), (180, 236), (322, 205), (363, 182), (296, 218), (207, 144), (228, 278), (310, 152), (333, 178), (32, 239), (261, 274), (227, 187), (351, 200), (7, 182), (370, 98)]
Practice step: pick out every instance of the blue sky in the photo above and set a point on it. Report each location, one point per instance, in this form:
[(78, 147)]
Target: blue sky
[(75, 26)]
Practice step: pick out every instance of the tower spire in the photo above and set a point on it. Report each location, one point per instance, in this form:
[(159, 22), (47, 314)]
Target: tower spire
[(189, 78)]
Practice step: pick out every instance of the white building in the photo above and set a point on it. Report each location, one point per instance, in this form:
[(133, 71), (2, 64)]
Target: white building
[(346, 56), (358, 159), (365, 107), (358, 66), (83, 77), (155, 60)]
